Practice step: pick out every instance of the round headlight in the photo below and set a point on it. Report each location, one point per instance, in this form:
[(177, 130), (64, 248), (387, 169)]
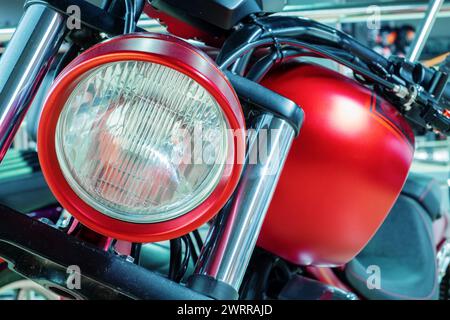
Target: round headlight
[(125, 140), (134, 139)]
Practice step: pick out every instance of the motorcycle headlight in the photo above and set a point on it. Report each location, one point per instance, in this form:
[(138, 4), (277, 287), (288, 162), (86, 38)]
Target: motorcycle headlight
[(141, 138)]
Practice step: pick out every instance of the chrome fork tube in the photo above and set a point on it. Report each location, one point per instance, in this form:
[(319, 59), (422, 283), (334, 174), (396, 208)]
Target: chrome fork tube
[(24, 64), (232, 238)]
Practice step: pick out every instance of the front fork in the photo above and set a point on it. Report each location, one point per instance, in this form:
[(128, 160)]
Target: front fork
[(232, 238), (235, 231), (24, 64)]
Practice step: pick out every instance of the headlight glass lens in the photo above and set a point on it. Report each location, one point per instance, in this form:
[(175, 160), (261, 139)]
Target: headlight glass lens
[(141, 142)]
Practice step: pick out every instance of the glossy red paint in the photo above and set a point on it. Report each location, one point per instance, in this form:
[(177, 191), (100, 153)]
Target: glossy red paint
[(168, 51), (344, 171)]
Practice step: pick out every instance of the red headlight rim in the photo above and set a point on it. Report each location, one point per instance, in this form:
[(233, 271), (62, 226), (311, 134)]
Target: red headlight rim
[(209, 77)]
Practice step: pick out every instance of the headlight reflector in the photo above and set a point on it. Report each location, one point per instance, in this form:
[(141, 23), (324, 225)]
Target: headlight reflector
[(124, 139)]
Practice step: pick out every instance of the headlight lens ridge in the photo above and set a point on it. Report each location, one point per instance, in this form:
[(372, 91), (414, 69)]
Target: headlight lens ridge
[(141, 142)]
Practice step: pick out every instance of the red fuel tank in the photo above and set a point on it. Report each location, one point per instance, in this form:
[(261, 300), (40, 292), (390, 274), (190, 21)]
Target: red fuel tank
[(344, 171)]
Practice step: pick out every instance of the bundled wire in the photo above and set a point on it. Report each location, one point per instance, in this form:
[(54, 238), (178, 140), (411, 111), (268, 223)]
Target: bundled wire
[(178, 263), (198, 239), (264, 64), (179, 259), (185, 262), (283, 36), (175, 257), (193, 248)]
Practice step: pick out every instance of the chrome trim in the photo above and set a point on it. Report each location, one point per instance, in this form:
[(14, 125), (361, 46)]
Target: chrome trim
[(434, 7), (232, 238), (24, 64)]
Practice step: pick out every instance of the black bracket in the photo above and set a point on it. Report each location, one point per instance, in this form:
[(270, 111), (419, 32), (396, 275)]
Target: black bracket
[(44, 254)]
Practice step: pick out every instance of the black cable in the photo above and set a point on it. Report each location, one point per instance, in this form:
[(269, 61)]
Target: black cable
[(198, 239), (133, 16), (241, 65), (178, 264), (262, 66), (317, 33), (444, 293), (240, 51), (342, 47), (303, 45), (193, 249), (332, 56), (175, 258), (187, 257), (248, 34), (112, 245), (136, 252), (127, 16), (68, 56), (253, 288), (139, 7), (130, 12)]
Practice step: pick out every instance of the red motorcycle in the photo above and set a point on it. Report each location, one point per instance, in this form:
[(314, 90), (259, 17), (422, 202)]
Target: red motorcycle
[(145, 138)]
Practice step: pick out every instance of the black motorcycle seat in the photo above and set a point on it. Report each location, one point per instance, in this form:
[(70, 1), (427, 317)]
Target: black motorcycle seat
[(426, 192), (403, 249)]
